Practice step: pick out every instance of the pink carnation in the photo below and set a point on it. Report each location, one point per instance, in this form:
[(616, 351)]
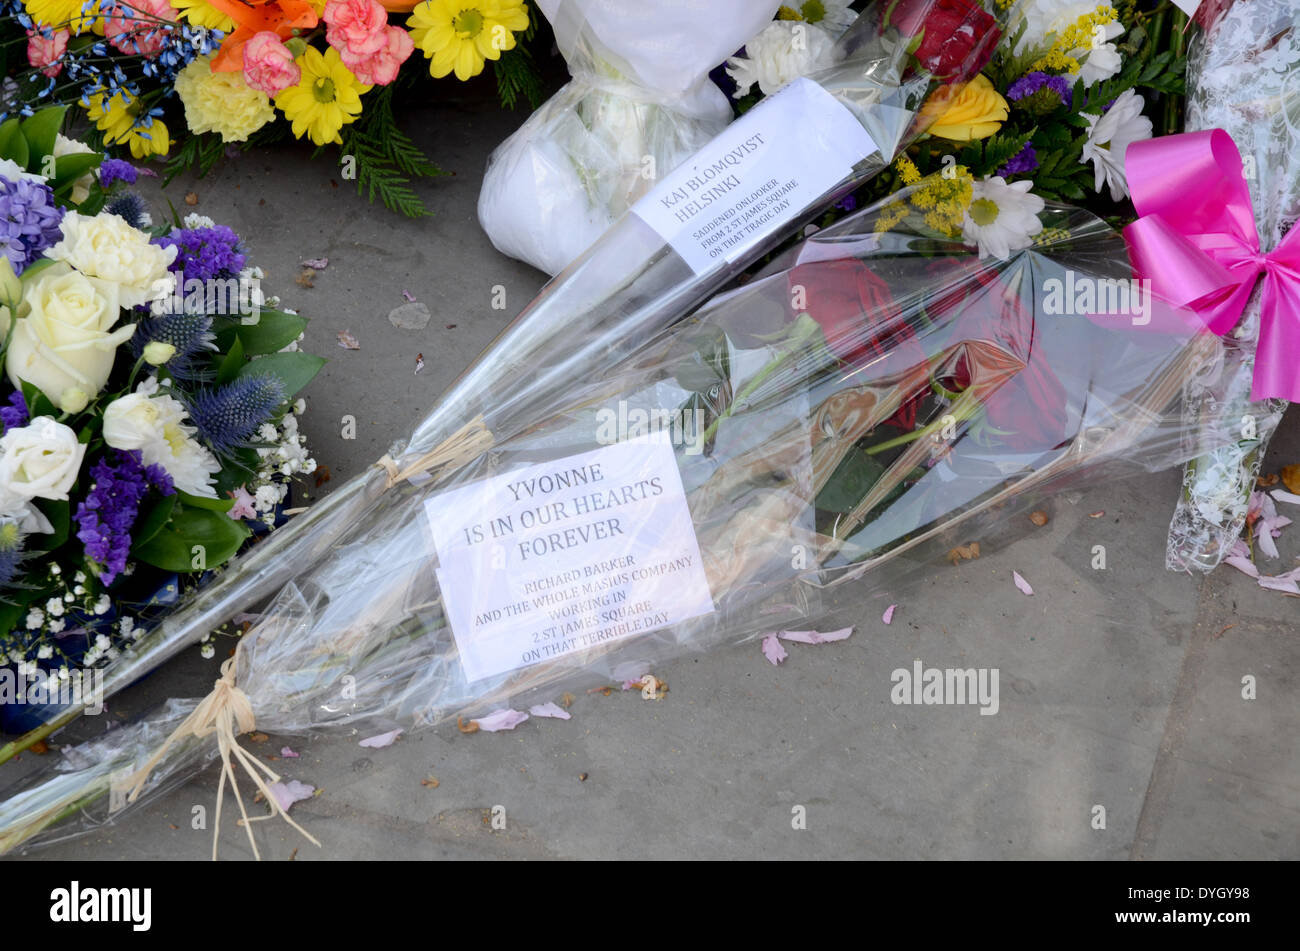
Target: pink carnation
[(134, 28), (356, 27), (269, 65), (380, 68), (45, 48)]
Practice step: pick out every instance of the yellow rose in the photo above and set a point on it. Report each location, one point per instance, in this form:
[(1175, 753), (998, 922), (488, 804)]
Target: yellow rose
[(974, 113), (221, 102), (63, 343)]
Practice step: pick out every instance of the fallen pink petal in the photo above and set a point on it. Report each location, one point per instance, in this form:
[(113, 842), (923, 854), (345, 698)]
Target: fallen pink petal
[(286, 794), (382, 740), (501, 720), (348, 342), (1279, 583), (815, 637), (553, 710), (288, 753), (888, 616), (1242, 564), (410, 298), (773, 650), (1021, 583), (1282, 495), (317, 264)]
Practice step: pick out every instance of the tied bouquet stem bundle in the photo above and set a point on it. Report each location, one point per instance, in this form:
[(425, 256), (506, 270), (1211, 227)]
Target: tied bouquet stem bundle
[(832, 132), (874, 387)]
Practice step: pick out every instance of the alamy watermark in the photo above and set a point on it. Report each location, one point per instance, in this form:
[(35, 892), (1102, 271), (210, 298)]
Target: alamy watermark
[(1081, 295), (231, 296), (47, 687), (685, 427), (946, 686)]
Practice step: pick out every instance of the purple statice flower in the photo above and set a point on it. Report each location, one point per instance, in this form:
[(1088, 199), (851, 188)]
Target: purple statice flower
[(29, 221), (228, 417), (106, 517), (13, 414), (1041, 93), (1024, 161), (847, 203), (117, 170), (204, 253)]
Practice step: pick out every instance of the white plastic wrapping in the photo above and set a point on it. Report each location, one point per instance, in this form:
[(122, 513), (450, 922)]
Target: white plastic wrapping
[(640, 102)]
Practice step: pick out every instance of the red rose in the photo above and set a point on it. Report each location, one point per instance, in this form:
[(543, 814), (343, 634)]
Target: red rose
[(1029, 404), (862, 324), (957, 36)]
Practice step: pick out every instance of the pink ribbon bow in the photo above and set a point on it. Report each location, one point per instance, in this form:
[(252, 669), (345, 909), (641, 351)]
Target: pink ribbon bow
[(1197, 243)]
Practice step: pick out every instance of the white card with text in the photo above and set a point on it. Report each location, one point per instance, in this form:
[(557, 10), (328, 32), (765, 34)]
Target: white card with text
[(559, 557)]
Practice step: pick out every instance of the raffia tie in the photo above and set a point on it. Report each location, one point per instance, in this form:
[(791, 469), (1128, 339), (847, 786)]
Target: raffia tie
[(471, 440), (227, 712)]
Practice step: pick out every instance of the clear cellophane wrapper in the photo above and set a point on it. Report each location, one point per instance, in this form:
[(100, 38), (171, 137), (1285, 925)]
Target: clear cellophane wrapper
[(1243, 76), (624, 290), (639, 103), (870, 397)]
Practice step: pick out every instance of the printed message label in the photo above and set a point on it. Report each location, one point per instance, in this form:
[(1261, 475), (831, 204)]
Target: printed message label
[(559, 557), (761, 170)]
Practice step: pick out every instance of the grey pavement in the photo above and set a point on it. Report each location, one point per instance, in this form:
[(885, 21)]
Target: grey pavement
[(1120, 688)]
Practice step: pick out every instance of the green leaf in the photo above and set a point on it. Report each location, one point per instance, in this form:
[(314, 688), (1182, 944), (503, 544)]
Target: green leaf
[(69, 168), (13, 144), (41, 131), (193, 533), (295, 370), (150, 521), (231, 363), (851, 481), (273, 331), (60, 515), (38, 404), (203, 502)]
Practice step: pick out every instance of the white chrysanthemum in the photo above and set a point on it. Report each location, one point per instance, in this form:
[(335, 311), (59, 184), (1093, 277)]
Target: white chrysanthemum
[(155, 423), (1044, 19), (785, 50), (1001, 218), (1109, 137), (106, 247), (195, 220)]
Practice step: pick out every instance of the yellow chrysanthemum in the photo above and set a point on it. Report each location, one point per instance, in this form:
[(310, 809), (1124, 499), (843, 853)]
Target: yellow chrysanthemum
[(327, 97), (119, 118), (201, 13), (460, 35), (221, 102), (66, 15)]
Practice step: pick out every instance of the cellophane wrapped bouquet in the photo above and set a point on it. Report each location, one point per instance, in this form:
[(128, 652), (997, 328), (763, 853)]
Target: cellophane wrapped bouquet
[(1244, 78), (871, 389), (639, 103), (739, 197)]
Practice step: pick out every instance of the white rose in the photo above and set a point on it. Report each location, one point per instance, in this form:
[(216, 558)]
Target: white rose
[(64, 344), (38, 461), (107, 248), (155, 424), (65, 146)]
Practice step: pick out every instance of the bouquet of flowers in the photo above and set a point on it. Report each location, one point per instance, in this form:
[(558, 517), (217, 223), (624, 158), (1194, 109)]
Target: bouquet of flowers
[(640, 102), (1244, 78), (786, 160), (147, 407), (1070, 85), (254, 70), (874, 387)]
